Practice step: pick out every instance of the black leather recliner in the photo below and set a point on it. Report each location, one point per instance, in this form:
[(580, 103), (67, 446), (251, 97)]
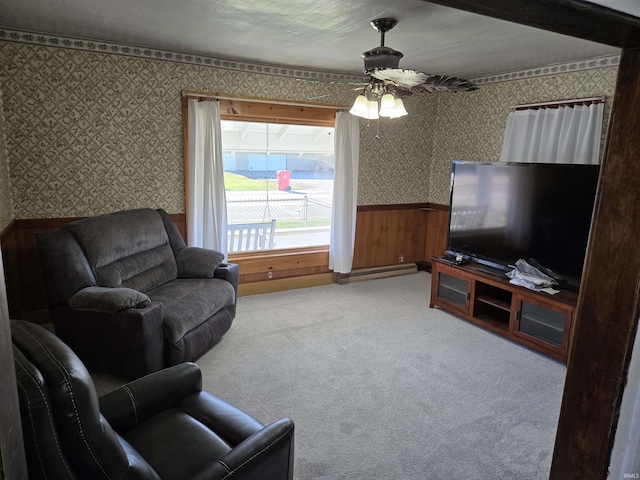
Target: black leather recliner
[(159, 426)]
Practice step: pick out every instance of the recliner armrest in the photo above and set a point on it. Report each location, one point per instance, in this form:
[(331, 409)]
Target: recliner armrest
[(103, 299), (129, 343), (266, 455), (145, 397), (229, 272), (195, 262)]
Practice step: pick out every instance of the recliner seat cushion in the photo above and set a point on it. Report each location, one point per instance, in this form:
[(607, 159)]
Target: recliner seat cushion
[(188, 302), (192, 449), (127, 249)]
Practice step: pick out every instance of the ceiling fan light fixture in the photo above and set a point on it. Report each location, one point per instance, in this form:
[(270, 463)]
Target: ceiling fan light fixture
[(388, 105), (400, 110), (360, 107), (365, 108), (372, 110)]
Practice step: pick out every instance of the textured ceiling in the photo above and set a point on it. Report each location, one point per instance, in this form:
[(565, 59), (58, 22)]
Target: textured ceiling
[(317, 35)]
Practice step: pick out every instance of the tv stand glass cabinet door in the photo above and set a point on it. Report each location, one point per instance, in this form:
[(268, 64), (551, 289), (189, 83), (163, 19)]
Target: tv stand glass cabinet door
[(542, 323), (452, 292)]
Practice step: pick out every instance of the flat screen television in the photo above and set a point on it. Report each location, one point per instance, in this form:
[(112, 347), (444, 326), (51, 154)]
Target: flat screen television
[(500, 212)]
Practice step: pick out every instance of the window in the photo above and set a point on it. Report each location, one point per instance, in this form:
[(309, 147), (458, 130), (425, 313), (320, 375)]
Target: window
[(279, 184)]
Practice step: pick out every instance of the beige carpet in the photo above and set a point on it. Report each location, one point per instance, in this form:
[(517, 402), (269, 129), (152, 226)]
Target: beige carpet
[(382, 387)]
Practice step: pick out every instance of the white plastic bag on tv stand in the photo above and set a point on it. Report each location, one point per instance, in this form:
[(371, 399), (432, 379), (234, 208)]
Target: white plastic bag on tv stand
[(530, 277)]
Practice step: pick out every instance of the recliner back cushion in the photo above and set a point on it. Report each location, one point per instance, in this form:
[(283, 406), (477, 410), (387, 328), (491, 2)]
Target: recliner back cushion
[(44, 455), (127, 249), (90, 444)]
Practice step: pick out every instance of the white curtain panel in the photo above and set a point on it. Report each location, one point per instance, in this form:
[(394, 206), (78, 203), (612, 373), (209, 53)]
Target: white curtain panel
[(206, 202), (569, 134), (345, 192)]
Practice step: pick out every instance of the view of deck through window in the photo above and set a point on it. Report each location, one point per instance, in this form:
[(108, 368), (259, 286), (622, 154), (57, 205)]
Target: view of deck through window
[(279, 184)]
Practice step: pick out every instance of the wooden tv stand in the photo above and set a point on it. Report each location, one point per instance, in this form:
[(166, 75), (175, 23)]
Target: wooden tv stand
[(538, 320)]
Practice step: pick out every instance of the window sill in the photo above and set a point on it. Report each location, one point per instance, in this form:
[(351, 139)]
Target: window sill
[(278, 253)]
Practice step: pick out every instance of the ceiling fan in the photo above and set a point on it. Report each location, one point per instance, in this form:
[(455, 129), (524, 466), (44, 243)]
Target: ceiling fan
[(382, 95)]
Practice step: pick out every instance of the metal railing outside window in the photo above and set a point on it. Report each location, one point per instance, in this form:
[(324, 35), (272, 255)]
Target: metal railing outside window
[(288, 212)]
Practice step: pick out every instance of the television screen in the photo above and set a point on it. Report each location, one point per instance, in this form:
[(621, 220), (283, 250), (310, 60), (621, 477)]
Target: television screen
[(501, 212)]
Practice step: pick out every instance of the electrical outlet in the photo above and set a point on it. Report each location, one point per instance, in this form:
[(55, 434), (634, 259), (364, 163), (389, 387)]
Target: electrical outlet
[(401, 258), (269, 275)]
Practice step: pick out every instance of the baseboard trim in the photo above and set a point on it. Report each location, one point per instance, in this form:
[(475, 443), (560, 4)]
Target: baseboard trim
[(363, 274), (281, 284)]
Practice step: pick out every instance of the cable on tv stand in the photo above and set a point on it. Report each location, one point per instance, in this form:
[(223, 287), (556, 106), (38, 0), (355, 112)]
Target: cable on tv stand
[(492, 271)]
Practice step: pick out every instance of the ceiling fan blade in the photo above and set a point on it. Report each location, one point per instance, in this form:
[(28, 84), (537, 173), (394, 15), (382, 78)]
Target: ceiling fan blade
[(402, 92), (400, 77), (338, 92), (423, 82), (442, 83), (364, 81)]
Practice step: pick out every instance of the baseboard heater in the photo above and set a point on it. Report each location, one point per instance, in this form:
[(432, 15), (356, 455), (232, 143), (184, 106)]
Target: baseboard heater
[(362, 274)]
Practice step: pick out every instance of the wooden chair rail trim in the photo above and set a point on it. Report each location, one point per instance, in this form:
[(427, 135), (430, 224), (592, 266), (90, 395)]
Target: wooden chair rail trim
[(56, 222), (403, 206), (8, 230)]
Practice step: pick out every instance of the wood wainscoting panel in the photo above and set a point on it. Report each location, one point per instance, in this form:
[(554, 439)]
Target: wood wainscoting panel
[(278, 264), (437, 226), (26, 286), (390, 235)]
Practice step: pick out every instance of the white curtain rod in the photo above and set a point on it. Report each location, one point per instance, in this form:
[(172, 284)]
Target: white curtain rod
[(560, 102), (187, 93)]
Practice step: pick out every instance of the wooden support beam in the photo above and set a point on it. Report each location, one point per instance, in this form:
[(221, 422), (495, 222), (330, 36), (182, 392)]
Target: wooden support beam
[(576, 18), (608, 306)]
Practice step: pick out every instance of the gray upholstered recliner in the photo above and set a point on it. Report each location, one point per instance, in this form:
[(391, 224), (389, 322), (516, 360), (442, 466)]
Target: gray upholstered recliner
[(129, 297), (160, 426)]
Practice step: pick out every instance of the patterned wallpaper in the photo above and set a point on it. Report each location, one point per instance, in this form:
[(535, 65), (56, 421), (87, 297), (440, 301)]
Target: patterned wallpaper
[(394, 156), (89, 132), (470, 126), (6, 213)]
